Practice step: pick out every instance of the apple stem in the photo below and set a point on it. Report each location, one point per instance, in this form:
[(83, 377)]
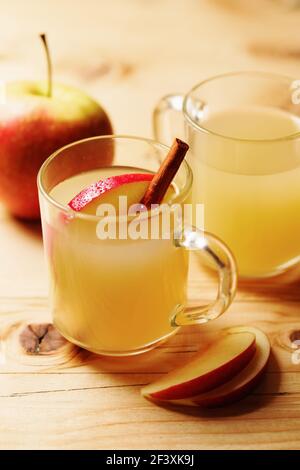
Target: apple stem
[(49, 64)]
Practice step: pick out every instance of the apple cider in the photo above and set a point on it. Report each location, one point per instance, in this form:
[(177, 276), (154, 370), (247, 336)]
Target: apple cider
[(119, 273), (114, 296), (250, 192)]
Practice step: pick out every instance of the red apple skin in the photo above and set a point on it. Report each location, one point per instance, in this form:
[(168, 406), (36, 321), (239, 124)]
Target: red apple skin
[(32, 127), (96, 190), (206, 382)]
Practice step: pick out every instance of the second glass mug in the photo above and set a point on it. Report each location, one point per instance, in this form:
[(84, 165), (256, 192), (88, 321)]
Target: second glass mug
[(244, 134), (120, 296)]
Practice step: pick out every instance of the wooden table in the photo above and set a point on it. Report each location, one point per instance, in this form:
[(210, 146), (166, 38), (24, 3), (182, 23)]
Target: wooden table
[(129, 53)]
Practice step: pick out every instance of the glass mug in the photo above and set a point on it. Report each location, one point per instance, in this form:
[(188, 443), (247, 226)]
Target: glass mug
[(244, 135), (120, 296)]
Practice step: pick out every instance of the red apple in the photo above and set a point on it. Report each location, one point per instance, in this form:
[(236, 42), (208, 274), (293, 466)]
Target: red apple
[(34, 123), (108, 190), (223, 359)]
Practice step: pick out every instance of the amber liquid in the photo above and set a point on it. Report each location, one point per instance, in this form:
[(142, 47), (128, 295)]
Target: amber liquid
[(250, 186), (112, 296)]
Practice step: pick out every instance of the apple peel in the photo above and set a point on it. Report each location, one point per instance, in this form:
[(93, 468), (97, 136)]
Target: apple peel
[(113, 186)]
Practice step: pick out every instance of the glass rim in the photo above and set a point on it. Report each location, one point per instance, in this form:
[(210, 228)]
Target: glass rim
[(270, 75), (77, 214)]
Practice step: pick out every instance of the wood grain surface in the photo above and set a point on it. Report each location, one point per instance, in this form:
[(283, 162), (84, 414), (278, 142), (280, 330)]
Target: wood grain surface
[(127, 53)]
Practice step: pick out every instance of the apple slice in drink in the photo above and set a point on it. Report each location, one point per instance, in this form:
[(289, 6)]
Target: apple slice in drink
[(108, 190), (210, 368), (146, 187)]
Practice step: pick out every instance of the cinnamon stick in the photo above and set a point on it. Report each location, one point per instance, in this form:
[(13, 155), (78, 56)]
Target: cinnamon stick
[(163, 178)]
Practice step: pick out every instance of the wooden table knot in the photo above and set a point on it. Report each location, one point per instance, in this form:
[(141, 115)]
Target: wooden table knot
[(289, 339), (41, 338)]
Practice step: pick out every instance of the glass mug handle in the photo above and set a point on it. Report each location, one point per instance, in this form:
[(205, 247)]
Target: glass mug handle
[(169, 106), (213, 249)]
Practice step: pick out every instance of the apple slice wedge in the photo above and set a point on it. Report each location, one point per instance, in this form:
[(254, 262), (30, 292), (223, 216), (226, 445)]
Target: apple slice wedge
[(245, 381), (222, 360), (242, 383), (108, 190)]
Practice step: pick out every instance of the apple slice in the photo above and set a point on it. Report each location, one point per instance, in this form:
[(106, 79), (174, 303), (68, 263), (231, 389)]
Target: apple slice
[(108, 190), (222, 360), (245, 381), (242, 383)]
